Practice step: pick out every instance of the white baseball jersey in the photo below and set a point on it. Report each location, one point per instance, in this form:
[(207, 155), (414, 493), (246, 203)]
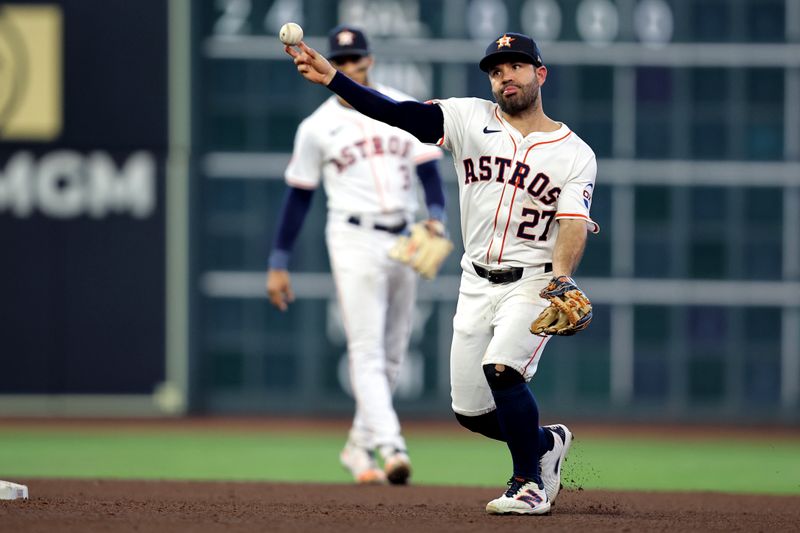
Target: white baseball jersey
[(366, 166), (513, 188)]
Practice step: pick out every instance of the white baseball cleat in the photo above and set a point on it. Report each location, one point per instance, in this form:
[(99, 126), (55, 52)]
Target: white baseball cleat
[(396, 465), (522, 497), (552, 461), (360, 462)]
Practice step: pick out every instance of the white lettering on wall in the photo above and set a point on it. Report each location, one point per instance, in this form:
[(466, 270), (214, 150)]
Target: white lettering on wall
[(69, 184)]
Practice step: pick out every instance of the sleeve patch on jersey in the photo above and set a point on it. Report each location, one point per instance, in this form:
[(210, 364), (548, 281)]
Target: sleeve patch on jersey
[(587, 195)]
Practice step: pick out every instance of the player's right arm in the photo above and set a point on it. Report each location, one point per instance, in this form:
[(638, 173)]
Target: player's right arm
[(303, 176), (423, 121), (293, 213)]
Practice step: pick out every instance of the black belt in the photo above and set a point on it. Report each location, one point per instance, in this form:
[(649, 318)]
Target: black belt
[(505, 275), (356, 221)]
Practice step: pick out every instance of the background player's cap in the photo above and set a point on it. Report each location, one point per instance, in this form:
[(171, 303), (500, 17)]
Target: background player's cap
[(347, 41), (511, 47)]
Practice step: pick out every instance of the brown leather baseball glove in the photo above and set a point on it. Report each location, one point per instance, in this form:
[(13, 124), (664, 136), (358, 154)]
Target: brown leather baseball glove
[(570, 311), (425, 249)]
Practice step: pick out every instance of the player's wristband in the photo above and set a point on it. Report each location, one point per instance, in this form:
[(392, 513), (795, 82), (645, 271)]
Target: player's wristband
[(437, 212), (279, 260)]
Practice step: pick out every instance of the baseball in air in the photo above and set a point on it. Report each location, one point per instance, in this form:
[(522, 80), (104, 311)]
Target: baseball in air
[(291, 33)]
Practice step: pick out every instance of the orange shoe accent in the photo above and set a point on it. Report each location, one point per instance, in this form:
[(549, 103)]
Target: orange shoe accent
[(371, 477)]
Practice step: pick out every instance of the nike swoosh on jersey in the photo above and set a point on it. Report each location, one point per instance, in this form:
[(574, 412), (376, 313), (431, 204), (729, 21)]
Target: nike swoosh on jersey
[(487, 130)]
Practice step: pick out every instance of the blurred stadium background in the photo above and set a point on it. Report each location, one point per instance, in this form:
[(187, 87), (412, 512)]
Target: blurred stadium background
[(143, 148)]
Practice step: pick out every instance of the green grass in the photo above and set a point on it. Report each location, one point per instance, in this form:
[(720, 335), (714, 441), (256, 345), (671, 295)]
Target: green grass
[(594, 463)]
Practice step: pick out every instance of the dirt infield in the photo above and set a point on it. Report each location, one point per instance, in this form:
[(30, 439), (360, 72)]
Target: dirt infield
[(121, 506)]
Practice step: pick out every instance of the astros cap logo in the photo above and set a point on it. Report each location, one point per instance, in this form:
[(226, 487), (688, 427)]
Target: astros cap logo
[(505, 40), (345, 38), (30, 72)]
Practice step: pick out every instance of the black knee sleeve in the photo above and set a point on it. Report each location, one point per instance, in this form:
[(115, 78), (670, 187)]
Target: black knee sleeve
[(485, 424), (502, 379)]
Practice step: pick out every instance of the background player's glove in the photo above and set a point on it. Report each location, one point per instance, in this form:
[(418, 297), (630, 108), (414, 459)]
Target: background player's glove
[(570, 310), (425, 249)]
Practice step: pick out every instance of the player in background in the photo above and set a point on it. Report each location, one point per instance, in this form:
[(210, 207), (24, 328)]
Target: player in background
[(367, 169), (526, 185)]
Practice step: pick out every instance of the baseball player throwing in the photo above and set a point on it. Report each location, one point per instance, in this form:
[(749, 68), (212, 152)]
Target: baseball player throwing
[(366, 168), (526, 185)]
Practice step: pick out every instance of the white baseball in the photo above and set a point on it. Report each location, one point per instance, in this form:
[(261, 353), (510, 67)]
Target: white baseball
[(291, 33)]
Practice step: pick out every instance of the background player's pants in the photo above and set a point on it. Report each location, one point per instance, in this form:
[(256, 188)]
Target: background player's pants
[(492, 325), (376, 297)]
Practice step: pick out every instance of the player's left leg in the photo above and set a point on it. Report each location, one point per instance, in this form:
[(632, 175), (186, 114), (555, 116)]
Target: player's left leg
[(399, 323), (512, 337), (510, 361), (518, 418)]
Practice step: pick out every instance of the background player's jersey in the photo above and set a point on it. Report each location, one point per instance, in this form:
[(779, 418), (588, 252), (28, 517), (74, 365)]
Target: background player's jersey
[(514, 188), (366, 166)]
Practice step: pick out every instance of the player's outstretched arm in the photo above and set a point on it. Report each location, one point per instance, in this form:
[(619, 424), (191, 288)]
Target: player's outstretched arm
[(423, 121), (311, 64)]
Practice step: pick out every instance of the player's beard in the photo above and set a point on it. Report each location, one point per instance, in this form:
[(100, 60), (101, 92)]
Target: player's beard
[(527, 98)]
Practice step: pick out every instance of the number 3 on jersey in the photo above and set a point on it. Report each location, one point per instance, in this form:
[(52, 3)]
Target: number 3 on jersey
[(406, 174), (531, 218)]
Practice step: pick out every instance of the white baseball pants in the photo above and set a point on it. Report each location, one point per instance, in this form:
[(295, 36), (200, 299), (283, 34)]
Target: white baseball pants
[(376, 296), (492, 326)]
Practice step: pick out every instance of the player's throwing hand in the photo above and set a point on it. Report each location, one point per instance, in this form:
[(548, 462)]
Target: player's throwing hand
[(311, 64)]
